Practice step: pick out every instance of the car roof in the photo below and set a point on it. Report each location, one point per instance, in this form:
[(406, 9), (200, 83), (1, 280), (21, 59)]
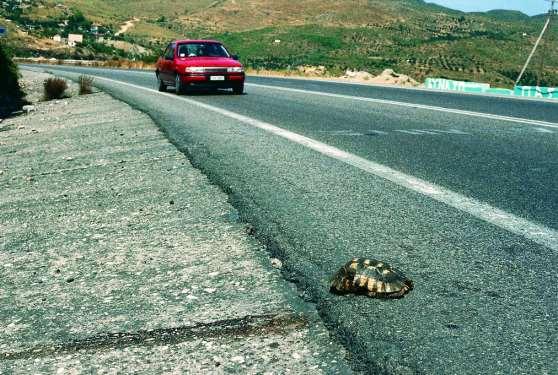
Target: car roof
[(195, 41)]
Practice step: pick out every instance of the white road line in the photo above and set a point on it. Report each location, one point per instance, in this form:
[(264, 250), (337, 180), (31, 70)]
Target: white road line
[(537, 233), (458, 132), (415, 132), (412, 105), (543, 130)]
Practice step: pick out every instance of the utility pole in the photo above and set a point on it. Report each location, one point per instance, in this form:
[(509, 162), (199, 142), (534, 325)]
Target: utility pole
[(551, 14), (545, 42)]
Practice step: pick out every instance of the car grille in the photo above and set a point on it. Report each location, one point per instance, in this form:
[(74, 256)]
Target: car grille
[(215, 70)]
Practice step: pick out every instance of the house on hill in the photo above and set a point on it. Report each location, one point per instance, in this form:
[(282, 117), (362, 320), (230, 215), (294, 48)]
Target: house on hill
[(74, 39)]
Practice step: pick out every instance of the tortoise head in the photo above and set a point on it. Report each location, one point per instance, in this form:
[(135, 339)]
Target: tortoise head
[(341, 281)]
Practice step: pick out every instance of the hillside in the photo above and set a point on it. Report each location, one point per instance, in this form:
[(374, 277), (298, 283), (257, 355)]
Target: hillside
[(409, 36)]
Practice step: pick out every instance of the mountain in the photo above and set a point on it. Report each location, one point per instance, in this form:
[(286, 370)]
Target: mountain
[(410, 36), (506, 15)]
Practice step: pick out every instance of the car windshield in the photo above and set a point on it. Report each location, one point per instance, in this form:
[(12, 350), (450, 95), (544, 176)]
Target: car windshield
[(202, 50)]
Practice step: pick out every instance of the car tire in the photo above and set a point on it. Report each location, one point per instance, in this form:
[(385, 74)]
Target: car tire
[(161, 84), (178, 85), (238, 89)]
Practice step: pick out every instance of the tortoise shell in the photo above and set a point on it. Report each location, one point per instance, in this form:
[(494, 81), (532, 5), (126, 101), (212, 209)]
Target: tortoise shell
[(371, 277)]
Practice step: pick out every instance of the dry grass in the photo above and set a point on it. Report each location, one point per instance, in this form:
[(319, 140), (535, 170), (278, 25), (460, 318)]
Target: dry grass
[(85, 85), (128, 64), (54, 88)]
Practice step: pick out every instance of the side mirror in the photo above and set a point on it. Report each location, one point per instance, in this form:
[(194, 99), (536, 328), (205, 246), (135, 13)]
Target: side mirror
[(235, 57)]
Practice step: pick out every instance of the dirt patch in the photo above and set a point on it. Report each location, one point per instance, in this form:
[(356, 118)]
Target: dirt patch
[(388, 77), (126, 46), (127, 26), (312, 71)]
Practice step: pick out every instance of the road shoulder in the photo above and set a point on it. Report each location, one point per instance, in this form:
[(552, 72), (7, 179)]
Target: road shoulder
[(118, 255)]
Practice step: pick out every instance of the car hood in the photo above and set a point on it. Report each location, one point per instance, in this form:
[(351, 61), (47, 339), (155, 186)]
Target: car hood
[(224, 62)]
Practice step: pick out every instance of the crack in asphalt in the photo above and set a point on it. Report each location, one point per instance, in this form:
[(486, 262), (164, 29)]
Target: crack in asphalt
[(250, 325)]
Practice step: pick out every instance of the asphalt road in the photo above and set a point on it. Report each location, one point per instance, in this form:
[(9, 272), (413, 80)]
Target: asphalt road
[(465, 203)]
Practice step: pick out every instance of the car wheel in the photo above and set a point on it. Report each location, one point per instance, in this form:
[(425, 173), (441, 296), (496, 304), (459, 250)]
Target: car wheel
[(238, 89), (178, 86), (162, 86)]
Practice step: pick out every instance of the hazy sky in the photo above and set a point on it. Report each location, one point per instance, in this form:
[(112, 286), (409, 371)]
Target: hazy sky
[(530, 7)]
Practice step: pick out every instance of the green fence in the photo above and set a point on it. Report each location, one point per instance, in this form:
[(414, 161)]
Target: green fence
[(447, 84), (497, 91), (536, 92), (484, 88)]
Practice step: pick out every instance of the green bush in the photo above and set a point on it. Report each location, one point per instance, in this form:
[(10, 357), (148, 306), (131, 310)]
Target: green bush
[(54, 88), (11, 95)]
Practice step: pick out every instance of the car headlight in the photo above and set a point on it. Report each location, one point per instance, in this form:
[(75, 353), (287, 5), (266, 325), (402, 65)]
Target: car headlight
[(236, 69), (195, 69)]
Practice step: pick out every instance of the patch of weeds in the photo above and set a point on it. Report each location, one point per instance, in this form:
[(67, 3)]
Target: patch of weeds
[(85, 85), (54, 88)]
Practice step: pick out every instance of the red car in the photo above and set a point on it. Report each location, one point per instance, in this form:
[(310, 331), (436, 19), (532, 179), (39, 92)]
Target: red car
[(199, 63)]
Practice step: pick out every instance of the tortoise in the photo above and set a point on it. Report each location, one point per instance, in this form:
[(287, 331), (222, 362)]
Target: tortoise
[(371, 277)]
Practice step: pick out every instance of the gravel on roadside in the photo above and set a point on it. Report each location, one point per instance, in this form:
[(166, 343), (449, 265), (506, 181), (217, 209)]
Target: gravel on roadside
[(118, 256)]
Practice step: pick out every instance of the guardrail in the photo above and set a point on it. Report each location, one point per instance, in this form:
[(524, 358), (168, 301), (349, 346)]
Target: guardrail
[(484, 88), (536, 92), (123, 64), (447, 84), (53, 61)]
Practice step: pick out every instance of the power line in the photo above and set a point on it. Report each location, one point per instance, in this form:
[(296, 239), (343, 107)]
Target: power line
[(551, 14), (547, 42)]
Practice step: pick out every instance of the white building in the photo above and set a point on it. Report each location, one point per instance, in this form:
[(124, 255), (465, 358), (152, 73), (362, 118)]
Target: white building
[(57, 38), (74, 39)]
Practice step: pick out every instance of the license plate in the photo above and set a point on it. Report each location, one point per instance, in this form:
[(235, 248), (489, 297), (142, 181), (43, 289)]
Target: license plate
[(217, 78)]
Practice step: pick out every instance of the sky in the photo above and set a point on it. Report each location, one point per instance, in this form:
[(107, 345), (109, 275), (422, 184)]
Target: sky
[(530, 7)]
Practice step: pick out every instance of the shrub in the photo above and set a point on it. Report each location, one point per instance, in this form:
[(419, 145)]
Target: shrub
[(85, 85), (54, 88), (11, 95)]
